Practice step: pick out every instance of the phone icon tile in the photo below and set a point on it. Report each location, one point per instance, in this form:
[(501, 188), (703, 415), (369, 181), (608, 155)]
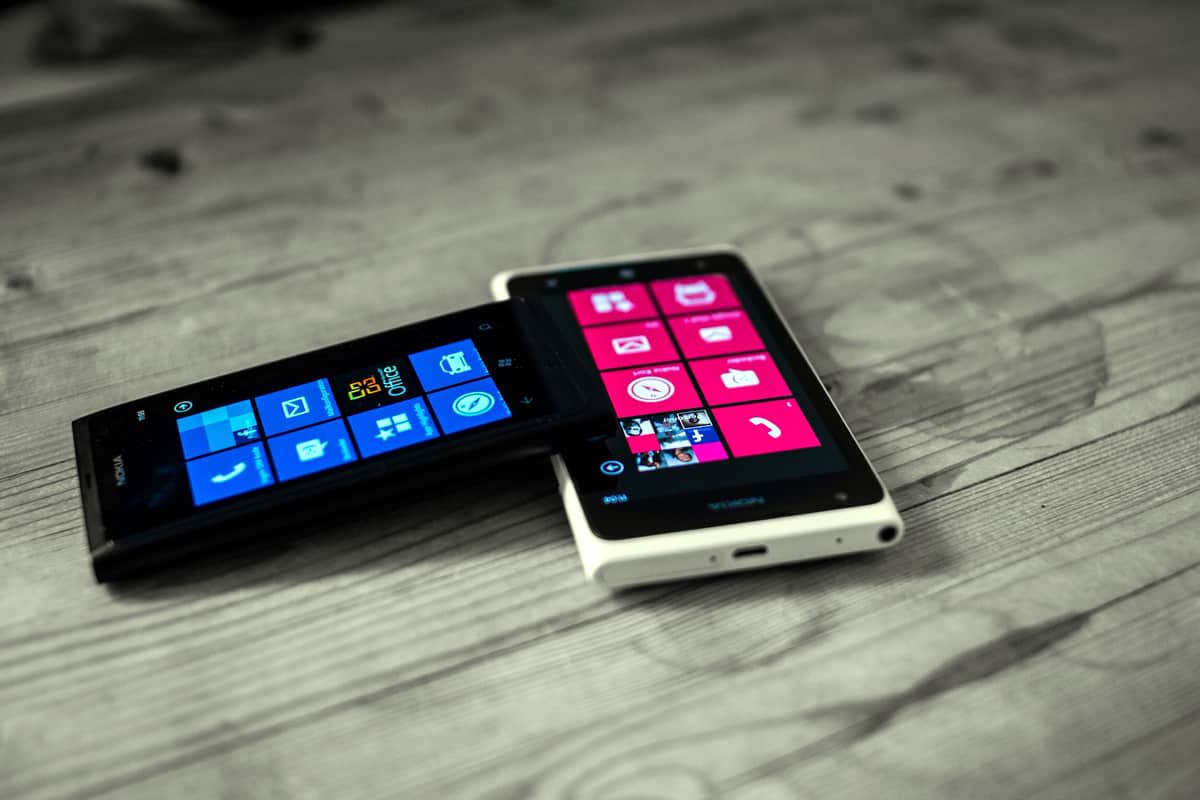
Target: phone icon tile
[(228, 473), (310, 450), (701, 335), (772, 426), (690, 295), (736, 379), (606, 304), (629, 344), (650, 390)]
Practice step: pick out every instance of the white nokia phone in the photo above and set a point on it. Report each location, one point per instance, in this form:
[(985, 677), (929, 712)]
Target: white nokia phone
[(726, 452)]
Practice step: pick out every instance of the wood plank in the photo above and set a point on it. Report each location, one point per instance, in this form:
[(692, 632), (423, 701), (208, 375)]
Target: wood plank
[(699, 635), (980, 220)]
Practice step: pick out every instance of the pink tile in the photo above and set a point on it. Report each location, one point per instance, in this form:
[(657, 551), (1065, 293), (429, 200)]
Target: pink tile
[(710, 451), (735, 379), (650, 390), (643, 443), (605, 304), (701, 335), (767, 427), (630, 344), (693, 295)]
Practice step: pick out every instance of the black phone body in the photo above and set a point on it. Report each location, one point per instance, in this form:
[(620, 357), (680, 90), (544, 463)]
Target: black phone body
[(720, 431), (267, 450)]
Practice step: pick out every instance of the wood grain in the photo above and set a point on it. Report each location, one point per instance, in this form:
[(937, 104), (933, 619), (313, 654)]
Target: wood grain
[(980, 218)]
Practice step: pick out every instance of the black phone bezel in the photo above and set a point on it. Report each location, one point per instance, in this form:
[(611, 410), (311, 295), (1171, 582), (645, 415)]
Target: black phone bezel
[(571, 413), (856, 485)]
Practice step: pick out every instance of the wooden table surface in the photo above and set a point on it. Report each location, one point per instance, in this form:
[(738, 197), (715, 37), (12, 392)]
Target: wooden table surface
[(980, 218)]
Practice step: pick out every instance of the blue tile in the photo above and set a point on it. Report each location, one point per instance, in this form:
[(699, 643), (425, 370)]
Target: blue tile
[(392, 427), (310, 450), (296, 407), (701, 435), (217, 429), (457, 362), (194, 442), (229, 473), (469, 406)]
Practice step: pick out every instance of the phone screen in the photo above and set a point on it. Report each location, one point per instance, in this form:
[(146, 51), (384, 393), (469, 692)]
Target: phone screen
[(717, 415), (272, 435)]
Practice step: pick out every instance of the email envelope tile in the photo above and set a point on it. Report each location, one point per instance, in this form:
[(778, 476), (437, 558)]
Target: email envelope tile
[(296, 407), (630, 344)]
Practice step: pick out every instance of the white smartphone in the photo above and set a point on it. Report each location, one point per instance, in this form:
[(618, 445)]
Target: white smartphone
[(726, 452)]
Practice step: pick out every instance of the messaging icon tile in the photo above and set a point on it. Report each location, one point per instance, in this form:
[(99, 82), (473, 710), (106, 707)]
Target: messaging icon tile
[(735, 379), (310, 450)]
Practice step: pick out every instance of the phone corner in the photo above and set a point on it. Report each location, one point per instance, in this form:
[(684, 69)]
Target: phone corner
[(498, 284), (727, 249), (106, 562), (891, 525)]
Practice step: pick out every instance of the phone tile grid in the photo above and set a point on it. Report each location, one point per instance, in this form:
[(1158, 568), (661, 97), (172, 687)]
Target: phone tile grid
[(307, 431), (636, 333)]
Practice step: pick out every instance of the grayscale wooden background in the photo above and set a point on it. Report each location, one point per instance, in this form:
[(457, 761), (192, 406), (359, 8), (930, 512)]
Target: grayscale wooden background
[(982, 220)]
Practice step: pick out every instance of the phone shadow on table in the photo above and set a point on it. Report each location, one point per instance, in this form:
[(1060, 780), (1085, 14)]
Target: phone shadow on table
[(485, 516), (499, 519)]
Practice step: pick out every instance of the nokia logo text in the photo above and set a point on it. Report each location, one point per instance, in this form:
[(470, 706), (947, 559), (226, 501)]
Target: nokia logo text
[(737, 502)]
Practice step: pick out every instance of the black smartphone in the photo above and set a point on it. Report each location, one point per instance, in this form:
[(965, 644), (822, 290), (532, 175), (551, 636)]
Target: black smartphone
[(261, 451), (724, 451)]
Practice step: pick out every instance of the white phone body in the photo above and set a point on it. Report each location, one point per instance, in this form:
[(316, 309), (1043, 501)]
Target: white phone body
[(711, 550)]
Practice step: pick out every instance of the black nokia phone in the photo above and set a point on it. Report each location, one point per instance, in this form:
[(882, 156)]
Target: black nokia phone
[(259, 451)]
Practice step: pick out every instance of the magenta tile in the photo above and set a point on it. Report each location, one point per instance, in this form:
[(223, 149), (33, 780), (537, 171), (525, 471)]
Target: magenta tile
[(605, 304), (701, 335), (709, 451), (767, 427), (650, 390), (643, 443), (735, 379), (630, 344), (695, 294)]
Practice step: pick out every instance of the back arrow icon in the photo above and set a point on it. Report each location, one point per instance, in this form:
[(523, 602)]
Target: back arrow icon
[(526, 400)]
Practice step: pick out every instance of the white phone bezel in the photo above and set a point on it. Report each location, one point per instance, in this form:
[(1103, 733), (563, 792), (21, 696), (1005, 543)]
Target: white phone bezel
[(710, 550)]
